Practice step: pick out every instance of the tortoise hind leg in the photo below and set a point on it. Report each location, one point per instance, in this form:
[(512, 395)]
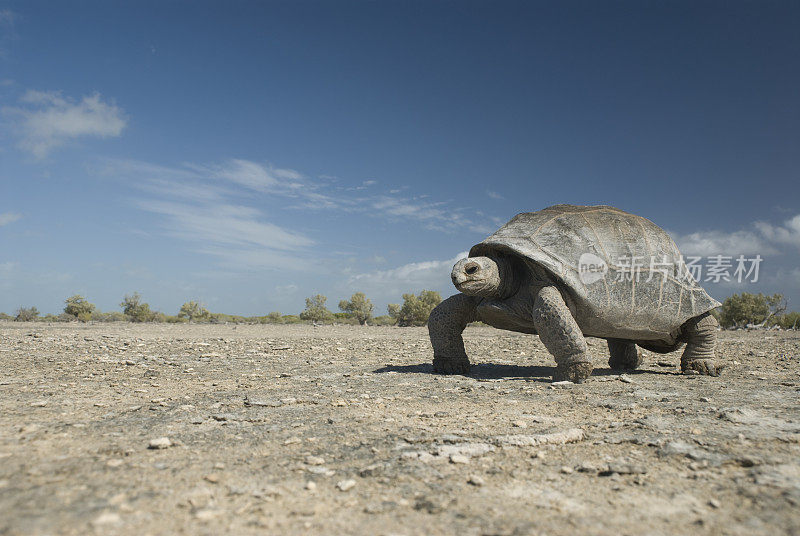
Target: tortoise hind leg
[(562, 337), (699, 355), (623, 355), (445, 325)]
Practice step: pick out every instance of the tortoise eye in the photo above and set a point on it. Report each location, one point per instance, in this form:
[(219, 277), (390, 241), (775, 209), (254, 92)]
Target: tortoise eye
[(471, 268)]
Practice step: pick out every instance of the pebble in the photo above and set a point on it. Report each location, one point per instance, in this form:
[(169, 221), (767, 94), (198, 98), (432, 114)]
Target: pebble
[(519, 424), (459, 458), (107, 518), (566, 470), (39, 404), (314, 460), (311, 485), (346, 485), (625, 378), (159, 443), (475, 480)]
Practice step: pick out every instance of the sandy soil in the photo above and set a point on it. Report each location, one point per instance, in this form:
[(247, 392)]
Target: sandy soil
[(346, 430)]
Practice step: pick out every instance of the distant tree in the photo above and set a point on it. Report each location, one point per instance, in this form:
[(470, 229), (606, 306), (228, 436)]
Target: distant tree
[(394, 310), (416, 309), (274, 317), (359, 307), (194, 311), (26, 314), (4, 316), (135, 310), (78, 307), (742, 309), (315, 310), (788, 320)]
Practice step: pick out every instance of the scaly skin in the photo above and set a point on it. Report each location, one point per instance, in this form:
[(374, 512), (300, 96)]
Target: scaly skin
[(445, 326), (624, 355), (701, 341), (562, 337)]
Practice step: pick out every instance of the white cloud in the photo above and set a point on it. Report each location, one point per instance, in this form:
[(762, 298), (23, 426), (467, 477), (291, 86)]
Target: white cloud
[(494, 195), (46, 120), (9, 217), (788, 234), (764, 239), (414, 276), (707, 243)]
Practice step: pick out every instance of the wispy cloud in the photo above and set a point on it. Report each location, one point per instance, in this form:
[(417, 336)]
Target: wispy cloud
[(410, 277), (9, 217), (762, 238), (45, 120), (494, 195)]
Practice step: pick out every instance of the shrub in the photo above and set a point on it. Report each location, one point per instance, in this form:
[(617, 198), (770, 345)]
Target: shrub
[(4, 316), (788, 320), (315, 310), (113, 316), (26, 314), (384, 320), (78, 307), (359, 307), (742, 309), (416, 309), (274, 317), (291, 319), (194, 311), (135, 310)]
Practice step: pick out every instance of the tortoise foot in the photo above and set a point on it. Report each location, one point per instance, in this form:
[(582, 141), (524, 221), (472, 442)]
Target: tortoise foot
[(705, 367), (573, 372), (451, 365)]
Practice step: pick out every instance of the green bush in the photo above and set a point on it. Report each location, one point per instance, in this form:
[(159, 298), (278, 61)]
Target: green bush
[(194, 312), (291, 319), (315, 310), (4, 316), (742, 309), (788, 320), (274, 318), (113, 316), (358, 307), (416, 309), (135, 310), (384, 320), (26, 314), (77, 307)]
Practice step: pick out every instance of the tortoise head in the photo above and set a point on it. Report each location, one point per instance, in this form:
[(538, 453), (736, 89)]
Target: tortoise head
[(479, 276)]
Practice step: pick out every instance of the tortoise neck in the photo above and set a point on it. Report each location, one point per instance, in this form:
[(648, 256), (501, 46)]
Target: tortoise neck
[(510, 278)]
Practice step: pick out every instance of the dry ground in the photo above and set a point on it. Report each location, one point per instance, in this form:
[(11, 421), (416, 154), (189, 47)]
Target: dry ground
[(345, 430)]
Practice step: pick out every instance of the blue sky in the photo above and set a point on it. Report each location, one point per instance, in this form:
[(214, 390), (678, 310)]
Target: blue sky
[(250, 154)]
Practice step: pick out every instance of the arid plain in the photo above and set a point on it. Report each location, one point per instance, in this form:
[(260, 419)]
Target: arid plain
[(210, 429)]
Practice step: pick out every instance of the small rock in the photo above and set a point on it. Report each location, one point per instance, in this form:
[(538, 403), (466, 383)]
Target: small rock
[(625, 378), (561, 385), (565, 469), (371, 470), (159, 443), (475, 480), (311, 485), (459, 458), (314, 460), (346, 485), (39, 404), (207, 514), (519, 424), (212, 477), (107, 518), (713, 503)]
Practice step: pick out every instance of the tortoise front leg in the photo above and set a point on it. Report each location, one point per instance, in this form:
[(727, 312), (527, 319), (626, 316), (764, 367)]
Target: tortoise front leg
[(701, 341), (445, 325), (561, 335)]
